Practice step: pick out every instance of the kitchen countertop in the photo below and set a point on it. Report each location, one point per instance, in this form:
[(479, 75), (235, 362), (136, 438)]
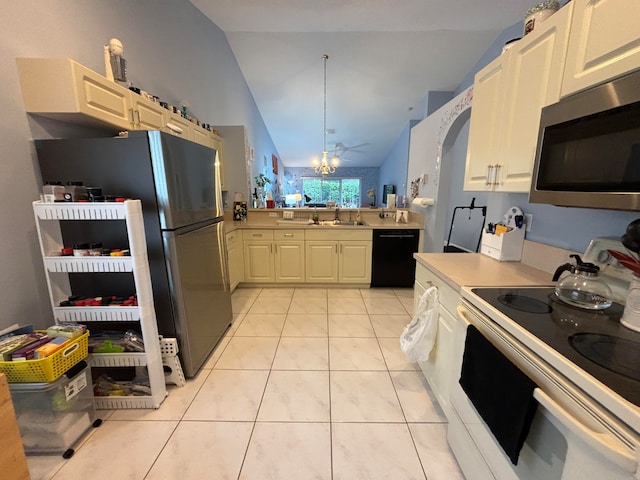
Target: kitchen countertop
[(476, 269), (272, 219)]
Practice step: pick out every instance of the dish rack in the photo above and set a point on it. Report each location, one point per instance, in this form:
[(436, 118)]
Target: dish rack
[(48, 217)]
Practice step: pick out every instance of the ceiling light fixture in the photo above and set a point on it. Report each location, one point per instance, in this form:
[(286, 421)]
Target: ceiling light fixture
[(323, 166)]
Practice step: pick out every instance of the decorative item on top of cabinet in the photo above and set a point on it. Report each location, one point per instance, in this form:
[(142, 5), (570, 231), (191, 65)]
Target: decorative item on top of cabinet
[(508, 95), (603, 43), (539, 13), (48, 217)]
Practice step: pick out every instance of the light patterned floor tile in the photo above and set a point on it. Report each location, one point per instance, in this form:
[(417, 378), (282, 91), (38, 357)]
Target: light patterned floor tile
[(416, 398), (173, 407), (218, 350), (347, 305), (384, 306), (269, 304), (407, 303), (248, 353), (310, 293), (436, 456), (404, 292), (355, 354), (305, 325), (339, 293), (374, 452), (261, 325), (394, 357), (308, 305), (246, 292), (377, 292), (302, 353), (203, 450), (350, 326), (389, 325), (236, 321), (276, 292), (278, 451), (296, 396), (103, 455), (240, 304), (229, 395), (363, 397)]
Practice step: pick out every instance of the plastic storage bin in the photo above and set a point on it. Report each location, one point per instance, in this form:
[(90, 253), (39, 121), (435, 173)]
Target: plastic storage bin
[(50, 368), (53, 416)]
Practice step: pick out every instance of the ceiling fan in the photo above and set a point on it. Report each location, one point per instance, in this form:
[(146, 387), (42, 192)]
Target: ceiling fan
[(341, 148)]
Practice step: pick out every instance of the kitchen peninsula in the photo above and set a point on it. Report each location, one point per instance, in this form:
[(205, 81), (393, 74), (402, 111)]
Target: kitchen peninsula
[(268, 249)]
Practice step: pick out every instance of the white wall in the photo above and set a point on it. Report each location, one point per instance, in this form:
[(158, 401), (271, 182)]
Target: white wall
[(172, 50)]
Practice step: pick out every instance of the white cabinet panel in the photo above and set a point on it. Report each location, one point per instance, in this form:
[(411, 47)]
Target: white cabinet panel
[(604, 42)]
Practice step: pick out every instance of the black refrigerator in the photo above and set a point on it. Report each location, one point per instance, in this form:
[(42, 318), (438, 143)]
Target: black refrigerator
[(179, 185)]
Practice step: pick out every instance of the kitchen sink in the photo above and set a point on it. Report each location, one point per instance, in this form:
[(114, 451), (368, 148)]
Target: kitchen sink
[(340, 223)]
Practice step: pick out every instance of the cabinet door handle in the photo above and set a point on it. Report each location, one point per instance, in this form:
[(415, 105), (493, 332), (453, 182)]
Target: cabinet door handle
[(496, 175), (488, 179), (256, 234), (271, 248), (288, 234), (336, 248), (133, 122), (138, 116)]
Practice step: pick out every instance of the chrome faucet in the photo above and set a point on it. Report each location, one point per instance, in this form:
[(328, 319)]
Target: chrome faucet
[(337, 217)]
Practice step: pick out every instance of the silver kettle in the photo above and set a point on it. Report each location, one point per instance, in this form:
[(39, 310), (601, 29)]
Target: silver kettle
[(582, 288)]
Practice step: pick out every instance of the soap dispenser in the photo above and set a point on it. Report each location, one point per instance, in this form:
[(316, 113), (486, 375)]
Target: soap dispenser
[(582, 288)]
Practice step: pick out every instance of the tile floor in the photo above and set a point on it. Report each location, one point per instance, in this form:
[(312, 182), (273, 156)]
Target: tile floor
[(307, 384)]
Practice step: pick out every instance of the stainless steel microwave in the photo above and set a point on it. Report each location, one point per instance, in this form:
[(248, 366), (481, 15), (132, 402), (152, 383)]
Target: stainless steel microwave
[(588, 152)]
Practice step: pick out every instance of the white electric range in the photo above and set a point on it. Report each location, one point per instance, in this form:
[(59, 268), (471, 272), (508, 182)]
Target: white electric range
[(586, 366)]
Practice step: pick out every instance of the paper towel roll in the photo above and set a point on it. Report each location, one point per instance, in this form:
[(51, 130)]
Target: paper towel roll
[(391, 200), (422, 202)]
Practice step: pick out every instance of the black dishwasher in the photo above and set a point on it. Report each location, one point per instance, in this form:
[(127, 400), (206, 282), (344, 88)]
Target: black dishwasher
[(393, 264)]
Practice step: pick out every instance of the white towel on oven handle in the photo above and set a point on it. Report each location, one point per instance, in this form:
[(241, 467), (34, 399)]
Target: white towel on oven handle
[(419, 336)]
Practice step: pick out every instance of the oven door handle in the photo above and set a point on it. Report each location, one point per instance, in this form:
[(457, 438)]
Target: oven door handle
[(610, 447)]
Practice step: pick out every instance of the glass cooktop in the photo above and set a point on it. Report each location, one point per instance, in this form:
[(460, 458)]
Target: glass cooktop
[(595, 341)]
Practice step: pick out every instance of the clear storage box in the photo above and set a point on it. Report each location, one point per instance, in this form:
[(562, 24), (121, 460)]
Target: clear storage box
[(53, 416)]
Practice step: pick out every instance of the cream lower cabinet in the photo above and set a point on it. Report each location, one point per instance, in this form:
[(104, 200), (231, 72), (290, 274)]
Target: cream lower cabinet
[(235, 256), (439, 369), (338, 256), (508, 96), (258, 256), (274, 256), (603, 43)]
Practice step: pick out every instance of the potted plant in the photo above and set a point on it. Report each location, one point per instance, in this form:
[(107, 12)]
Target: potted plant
[(261, 180)]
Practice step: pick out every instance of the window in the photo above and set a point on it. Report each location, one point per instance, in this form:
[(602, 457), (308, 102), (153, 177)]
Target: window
[(344, 191)]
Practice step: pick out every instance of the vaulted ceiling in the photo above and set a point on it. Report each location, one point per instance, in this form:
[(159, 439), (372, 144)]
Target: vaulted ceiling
[(384, 56)]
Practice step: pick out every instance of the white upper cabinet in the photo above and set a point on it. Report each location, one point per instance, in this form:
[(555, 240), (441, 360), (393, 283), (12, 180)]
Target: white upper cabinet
[(488, 95), (604, 42), (65, 90), (534, 79), (508, 96)]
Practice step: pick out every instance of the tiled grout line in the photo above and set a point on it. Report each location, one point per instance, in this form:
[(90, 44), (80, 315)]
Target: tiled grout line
[(264, 391), (406, 422)]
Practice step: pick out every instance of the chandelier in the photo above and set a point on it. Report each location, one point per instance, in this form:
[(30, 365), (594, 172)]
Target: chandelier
[(324, 167)]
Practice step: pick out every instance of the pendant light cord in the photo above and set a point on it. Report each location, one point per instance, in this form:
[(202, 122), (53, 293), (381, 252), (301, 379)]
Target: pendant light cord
[(325, 57)]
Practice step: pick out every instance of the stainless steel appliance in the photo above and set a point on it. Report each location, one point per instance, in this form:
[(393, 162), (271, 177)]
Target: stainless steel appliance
[(588, 153), (586, 368), (179, 185)]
